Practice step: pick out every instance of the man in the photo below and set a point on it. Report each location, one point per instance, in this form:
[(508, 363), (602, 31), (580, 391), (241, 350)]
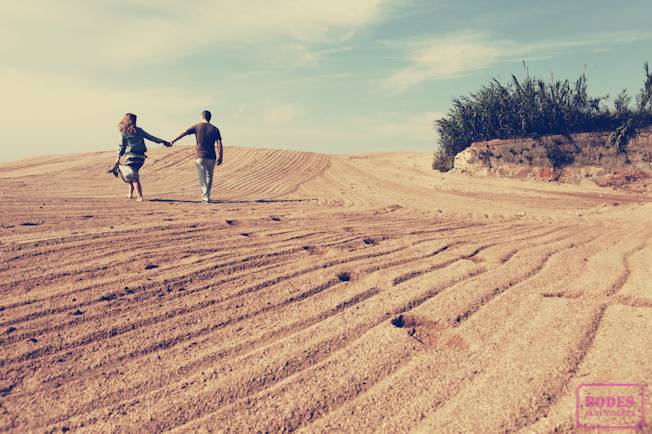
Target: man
[(207, 136)]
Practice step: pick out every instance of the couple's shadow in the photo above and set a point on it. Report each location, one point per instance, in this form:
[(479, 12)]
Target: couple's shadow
[(221, 201)]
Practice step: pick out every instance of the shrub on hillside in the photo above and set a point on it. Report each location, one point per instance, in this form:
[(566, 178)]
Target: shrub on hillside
[(533, 108)]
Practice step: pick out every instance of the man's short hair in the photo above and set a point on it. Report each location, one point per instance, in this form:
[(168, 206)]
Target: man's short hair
[(206, 115)]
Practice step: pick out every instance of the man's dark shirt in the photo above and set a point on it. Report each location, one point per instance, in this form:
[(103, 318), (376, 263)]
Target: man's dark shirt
[(206, 134)]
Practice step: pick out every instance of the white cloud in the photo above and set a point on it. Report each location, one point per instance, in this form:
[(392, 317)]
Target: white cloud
[(61, 60), (462, 53), (446, 57), (127, 33)]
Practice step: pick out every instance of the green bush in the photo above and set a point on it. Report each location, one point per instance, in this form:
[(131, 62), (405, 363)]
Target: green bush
[(533, 108), (442, 160)]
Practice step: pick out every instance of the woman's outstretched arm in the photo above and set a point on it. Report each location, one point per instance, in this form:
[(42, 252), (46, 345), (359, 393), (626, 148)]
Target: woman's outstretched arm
[(154, 139)]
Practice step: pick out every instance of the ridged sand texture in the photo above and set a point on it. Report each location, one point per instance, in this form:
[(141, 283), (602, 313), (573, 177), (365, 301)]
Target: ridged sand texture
[(320, 293)]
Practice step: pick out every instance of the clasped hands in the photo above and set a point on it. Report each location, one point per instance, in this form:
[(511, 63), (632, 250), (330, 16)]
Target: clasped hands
[(169, 145)]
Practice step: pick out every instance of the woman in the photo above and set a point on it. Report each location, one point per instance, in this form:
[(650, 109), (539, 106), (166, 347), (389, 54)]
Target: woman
[(134, 149)]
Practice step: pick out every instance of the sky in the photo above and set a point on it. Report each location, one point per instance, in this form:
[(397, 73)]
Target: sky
[(336, 76)]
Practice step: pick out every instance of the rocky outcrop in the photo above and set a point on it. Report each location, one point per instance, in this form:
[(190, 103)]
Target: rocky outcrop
[(576, 158)]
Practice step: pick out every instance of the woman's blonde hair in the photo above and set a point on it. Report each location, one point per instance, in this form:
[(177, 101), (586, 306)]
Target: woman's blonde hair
[(128, 124)]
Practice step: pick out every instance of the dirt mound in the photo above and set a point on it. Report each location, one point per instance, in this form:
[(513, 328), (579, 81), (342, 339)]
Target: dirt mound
[(573, 159)]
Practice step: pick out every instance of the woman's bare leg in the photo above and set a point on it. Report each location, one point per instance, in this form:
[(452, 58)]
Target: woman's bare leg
[(139, 189), (131, 191)]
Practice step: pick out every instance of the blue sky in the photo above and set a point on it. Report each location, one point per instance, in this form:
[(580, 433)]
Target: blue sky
[(337, 76)]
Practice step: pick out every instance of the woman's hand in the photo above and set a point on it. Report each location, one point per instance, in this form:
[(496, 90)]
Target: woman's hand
[(114, 169)]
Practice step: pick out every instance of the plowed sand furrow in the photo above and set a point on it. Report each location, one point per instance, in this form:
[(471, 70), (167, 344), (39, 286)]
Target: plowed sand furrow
[(268, 183), (379, 267), (421, 271), (613, 338), (429, 385), (271, 245), (600, 306), (127, 241), (297, 344), (574, 356), (122, 231), (291, 410), (111, 317), (175, 373), (187, 275), (271, 180), (276, 308), (626, 269), (123, 300), (436, 376), (453, 309), (224, 245), (128, 251), (545, 366)]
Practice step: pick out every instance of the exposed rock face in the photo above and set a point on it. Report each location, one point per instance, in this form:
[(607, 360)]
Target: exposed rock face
[(575, 159)]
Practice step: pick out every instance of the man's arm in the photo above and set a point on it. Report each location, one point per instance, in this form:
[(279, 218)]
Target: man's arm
[(179, 137), (220, 151), (188, 132)]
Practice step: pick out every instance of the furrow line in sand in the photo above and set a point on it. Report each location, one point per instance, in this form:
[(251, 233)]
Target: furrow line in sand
[(191, 368), (412, 259), (467, 378), (466, 277), (127, 252), (279, 333), (142, 291), (142, 294), (263, 176), (134, 249), (127, 300), (105, 334), (622, 279), (487, 298), (269, 178), (553, 392), (416, 273), (107, 247), (300, 416), (273, 374), (284, 243), (585, 346), (203, 274), (110, 313), (123, 235)]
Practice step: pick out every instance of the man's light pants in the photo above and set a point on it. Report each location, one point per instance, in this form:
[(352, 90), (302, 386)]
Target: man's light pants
[(205, 169)]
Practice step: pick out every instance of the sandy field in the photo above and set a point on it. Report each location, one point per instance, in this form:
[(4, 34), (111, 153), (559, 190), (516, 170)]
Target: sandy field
[(320, 293)]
